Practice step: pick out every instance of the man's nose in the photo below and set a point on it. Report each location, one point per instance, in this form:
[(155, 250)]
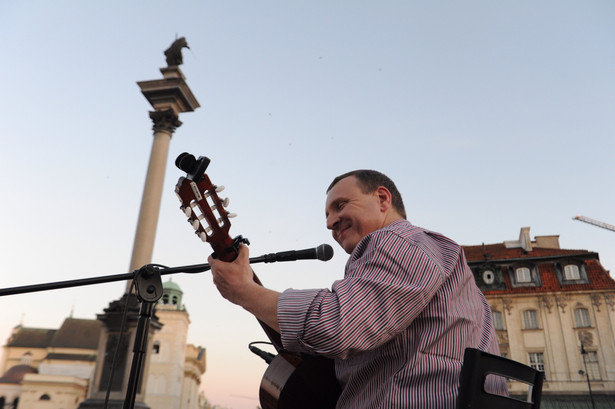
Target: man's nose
[(332, 221)]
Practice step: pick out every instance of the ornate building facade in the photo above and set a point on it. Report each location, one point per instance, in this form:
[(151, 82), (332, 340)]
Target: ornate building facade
[(553, 309), (49, 368)]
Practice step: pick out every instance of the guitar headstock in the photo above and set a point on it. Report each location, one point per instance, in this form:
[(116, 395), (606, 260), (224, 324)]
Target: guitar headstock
[(205, 210), (208, 216)]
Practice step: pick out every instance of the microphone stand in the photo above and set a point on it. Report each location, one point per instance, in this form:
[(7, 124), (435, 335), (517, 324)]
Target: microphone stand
[(191, 269), (324, 252), (148, 285)]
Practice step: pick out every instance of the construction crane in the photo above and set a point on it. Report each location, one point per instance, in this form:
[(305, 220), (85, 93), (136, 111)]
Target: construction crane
[(595, 222)]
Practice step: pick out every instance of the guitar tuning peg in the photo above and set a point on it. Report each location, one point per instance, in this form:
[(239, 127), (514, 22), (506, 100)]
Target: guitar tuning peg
[(219, 189), (178, 186), (195, 224), (187, 210), (202, 236), (231, 215), (226, 201)]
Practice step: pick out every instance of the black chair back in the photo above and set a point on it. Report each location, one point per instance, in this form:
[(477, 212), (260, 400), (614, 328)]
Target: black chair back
[(482, 371)]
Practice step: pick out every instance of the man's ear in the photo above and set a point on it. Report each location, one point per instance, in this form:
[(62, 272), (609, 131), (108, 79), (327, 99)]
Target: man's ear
[(385, 198)]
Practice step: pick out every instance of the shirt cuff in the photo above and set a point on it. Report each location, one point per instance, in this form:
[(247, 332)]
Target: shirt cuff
[(293, 306)]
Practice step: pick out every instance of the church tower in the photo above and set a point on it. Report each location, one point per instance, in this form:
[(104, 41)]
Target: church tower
[(168, 356)]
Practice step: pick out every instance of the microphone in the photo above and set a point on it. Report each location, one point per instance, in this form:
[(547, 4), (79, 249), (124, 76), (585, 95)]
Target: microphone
[(324, 252)]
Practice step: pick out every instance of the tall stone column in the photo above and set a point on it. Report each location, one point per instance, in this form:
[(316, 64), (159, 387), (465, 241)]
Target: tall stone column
[(165, 123), (169, 97)]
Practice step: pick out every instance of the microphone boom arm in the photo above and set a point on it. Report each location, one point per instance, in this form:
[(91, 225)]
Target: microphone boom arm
[(323, 252)]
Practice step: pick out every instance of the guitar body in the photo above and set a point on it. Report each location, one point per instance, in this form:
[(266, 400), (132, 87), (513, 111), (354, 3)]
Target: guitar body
[(291, 381)]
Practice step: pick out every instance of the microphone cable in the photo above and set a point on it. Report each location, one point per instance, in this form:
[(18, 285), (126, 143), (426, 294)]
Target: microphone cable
[(266, 356)]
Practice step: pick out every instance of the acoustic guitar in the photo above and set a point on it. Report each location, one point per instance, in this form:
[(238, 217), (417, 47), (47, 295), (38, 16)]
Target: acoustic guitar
[(292, 380)]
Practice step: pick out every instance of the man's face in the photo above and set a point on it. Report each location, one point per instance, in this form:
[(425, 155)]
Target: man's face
[(352, 214)]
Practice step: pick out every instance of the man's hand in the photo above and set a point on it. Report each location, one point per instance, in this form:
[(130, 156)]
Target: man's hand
[(235, 282)]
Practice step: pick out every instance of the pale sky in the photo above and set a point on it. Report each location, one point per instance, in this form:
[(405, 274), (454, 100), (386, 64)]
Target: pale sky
[(489, 115)]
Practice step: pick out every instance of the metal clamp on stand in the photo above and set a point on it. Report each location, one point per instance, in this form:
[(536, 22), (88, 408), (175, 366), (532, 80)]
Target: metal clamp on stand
[(149, 290)]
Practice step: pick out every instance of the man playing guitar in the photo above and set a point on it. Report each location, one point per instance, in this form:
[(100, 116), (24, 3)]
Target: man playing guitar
[(399, 321)]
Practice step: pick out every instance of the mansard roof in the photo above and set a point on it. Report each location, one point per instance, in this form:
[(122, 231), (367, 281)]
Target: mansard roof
[(74, 333), (499, 252), (31, 337), (77, 333), (543, 253)]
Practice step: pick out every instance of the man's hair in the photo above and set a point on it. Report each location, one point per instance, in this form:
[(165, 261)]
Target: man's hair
[(369, 181)]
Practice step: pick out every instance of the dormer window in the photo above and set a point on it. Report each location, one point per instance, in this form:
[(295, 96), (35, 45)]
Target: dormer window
[(523, 275), (571, 272), (488, 276)]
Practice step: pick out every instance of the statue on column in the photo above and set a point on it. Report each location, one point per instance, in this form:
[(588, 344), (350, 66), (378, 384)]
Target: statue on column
[(174, 52)]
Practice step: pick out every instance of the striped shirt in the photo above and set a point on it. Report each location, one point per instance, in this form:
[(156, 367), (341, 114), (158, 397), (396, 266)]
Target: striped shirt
[(397, 324)]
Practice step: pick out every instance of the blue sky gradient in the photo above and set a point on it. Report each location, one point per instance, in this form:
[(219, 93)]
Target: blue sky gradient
[(490, 116)]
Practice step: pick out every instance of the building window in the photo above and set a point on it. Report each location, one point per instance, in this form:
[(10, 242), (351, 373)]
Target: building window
[(581, 318), (571, 272), (523, 275), (537, 360), (498, 322), (26, 359), (530, 319), (591, 363), (44, 397), (156, 347), (488, 277)]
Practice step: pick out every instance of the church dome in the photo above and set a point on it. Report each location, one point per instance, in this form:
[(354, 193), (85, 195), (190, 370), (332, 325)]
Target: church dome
[(171, 296), (17, 373), (171, 286)]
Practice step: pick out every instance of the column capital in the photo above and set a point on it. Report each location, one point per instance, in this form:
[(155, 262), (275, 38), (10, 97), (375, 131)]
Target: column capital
[(165, 121), (169, 92)]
